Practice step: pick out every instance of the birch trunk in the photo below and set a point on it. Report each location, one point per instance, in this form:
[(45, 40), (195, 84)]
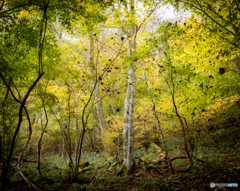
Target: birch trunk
[(128, 142)]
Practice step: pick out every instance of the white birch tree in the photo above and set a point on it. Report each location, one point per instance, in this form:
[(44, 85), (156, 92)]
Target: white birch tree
[(131, 31)]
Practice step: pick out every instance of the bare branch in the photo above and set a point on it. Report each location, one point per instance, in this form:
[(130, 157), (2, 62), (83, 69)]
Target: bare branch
[(151, 12), (216, 13), (200, 8), (59, 36), (2, 5), (132, 76)]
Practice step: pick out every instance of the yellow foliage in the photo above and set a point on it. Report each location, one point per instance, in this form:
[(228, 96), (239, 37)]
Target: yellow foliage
[(24, 14), (31, 105)]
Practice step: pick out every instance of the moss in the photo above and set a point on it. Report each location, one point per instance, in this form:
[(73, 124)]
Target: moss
[(83, 163), (124, 170), (120, 170), (85, 169), (162, 166)]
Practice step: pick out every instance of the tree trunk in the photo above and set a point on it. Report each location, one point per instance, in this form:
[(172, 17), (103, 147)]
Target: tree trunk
[(20, 116), (159, 125), (128, 142), (172, 92)]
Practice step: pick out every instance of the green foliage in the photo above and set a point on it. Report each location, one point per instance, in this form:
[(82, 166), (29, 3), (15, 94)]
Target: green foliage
[(188, 57), (149, 181), (205, 151), (126, 181), (140, 152), (173, 143), (179, 162), (80, 187)]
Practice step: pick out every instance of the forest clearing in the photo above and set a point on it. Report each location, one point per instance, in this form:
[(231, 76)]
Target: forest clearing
[(127, 95)]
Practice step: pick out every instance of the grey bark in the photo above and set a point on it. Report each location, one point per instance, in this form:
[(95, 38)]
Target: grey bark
[(128, 140)]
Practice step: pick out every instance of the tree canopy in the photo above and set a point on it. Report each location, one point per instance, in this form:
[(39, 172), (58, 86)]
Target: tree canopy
[(105, 88)]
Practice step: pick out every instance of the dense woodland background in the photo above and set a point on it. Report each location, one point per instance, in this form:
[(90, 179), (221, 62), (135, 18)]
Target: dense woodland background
[(109, 95)]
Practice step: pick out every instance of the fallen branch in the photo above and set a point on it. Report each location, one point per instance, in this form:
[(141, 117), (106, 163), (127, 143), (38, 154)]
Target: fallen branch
[(156, 170), (114, 164), (24, 160), (179, 157)]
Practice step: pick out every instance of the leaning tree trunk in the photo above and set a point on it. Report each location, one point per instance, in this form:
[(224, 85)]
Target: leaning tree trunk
[(159, 128), (172, 92)]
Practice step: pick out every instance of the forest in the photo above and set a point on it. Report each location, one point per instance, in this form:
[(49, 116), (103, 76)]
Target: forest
[(116, 95)]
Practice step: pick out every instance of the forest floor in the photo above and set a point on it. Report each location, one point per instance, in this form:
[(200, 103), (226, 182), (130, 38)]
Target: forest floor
[(196, 179), (199, 178), (218, 161)]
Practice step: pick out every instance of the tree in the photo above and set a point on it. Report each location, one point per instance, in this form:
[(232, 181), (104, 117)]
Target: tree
[(159, 128), (27, 41), (131, 29), (22, 100), (220, 18)]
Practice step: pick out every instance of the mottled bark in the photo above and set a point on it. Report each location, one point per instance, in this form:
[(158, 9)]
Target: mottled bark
[(128, 142)]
